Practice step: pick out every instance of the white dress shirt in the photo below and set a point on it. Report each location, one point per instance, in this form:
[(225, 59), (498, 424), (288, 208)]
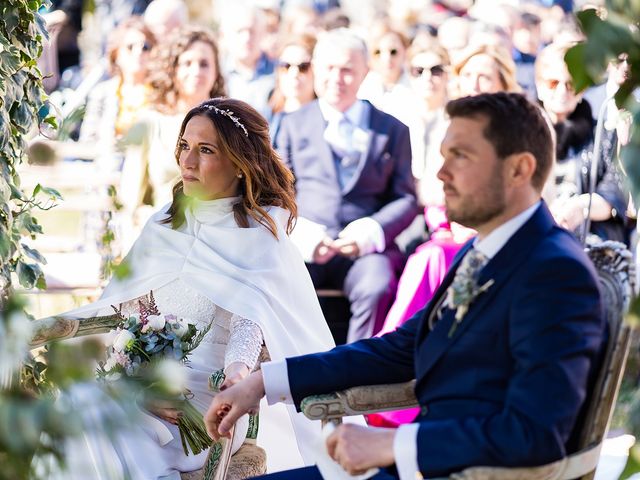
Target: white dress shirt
[(405, 444)]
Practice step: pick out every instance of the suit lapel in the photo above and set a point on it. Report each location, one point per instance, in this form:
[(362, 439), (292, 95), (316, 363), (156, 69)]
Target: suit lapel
[(499, 268)]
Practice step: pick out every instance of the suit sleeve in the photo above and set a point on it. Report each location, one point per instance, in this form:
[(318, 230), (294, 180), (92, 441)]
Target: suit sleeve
[(555, 335), (401, 207), (373, 361)]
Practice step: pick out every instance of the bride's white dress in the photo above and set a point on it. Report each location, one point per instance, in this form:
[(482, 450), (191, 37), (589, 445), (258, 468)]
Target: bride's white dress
[(203, 271)]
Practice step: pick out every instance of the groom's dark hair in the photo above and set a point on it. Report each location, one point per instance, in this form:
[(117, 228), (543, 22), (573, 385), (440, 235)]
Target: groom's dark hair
[(515, 125)]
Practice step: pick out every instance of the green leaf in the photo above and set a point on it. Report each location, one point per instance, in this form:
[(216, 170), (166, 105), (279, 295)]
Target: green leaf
[(11, 19), (52, 193), (16, 193), (27, 274), (574, 59), (605, 41), (33, 254), (22, 117), (5, 245)]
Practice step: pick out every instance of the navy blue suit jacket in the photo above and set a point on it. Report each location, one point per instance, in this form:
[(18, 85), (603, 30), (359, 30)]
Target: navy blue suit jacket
[(506, 389), (382, 187)]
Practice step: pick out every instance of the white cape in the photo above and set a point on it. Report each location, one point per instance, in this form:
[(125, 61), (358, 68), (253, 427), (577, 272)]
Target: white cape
[(246, 271)]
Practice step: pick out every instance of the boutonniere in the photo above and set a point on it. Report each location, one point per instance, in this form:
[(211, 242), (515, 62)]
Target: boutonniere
[(465, 288)]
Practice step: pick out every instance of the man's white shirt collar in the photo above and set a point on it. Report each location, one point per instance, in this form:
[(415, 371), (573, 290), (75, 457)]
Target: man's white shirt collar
[(492, 243)]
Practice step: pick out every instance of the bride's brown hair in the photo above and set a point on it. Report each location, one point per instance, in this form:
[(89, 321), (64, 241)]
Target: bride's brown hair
[(243, 137)]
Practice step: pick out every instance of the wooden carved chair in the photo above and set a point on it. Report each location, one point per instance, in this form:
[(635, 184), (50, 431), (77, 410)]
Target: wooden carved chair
[(615, 268)]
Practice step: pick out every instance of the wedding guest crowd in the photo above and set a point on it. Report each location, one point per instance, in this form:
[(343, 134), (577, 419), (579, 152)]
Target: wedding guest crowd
[(355, 95)]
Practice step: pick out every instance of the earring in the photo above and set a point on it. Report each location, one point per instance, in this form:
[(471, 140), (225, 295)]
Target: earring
[(239, 175)]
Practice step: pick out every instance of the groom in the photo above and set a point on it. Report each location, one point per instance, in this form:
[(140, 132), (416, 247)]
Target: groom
[(502, 368)]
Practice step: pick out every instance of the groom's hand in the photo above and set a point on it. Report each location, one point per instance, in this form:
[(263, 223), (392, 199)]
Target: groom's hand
[(228, 406), (357, 448)]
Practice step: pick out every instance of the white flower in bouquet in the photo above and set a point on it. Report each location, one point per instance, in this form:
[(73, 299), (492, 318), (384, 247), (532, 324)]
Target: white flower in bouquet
[(110, 362), (180, 327), (172, 376), (123, 340), (155, 322), (110, 337)]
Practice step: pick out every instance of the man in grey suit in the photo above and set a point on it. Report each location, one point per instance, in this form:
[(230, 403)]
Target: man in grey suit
[(354, 186)]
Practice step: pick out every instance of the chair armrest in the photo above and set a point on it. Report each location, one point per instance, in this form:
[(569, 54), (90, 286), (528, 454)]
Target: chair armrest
[(576, 465), (360, 400), (59, 328)]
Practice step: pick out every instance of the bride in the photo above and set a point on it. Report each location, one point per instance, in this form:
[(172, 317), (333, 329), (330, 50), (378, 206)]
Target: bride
[(218, 255)]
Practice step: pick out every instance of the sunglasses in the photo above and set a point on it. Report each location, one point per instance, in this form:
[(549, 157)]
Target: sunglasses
[(393, 52), (145, 47), (435, 71), (302, 67), (553, 83)]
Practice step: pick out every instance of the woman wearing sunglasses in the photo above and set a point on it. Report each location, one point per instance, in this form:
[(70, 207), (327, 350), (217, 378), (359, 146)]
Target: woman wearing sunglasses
[(294, 78), (386, 85), (574, 127)]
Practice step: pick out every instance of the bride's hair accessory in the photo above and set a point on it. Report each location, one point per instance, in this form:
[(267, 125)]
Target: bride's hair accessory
[(229, 114)]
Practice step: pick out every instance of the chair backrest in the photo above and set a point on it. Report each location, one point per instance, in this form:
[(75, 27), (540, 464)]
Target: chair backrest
[(615, 267)]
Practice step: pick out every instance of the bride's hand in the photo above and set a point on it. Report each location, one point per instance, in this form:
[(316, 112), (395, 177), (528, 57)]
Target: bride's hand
[(164, 410), (234, 373)]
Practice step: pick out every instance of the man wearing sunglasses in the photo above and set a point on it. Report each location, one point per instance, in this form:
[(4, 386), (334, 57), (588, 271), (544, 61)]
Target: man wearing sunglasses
[(354, 185)]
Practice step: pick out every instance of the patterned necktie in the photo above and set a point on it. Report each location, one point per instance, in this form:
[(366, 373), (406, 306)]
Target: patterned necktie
[(463, 288)]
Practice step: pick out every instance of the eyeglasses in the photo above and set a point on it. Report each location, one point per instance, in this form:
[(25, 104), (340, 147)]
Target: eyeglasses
[(144, 47), (435, 71), (553, 83), (392, 51), (302, 67)]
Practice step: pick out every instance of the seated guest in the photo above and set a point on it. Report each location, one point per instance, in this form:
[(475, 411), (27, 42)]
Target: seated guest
[(485, 69), (294, 78), (114, 105), (386, 85), (354, 186), (574, 126), (502, 373), (248, 72)]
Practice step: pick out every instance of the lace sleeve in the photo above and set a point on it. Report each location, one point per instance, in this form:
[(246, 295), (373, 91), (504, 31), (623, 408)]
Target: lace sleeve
[(245, 342)]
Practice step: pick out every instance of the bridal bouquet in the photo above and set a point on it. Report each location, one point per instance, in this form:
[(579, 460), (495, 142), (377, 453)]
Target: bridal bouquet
[(144, 339)]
